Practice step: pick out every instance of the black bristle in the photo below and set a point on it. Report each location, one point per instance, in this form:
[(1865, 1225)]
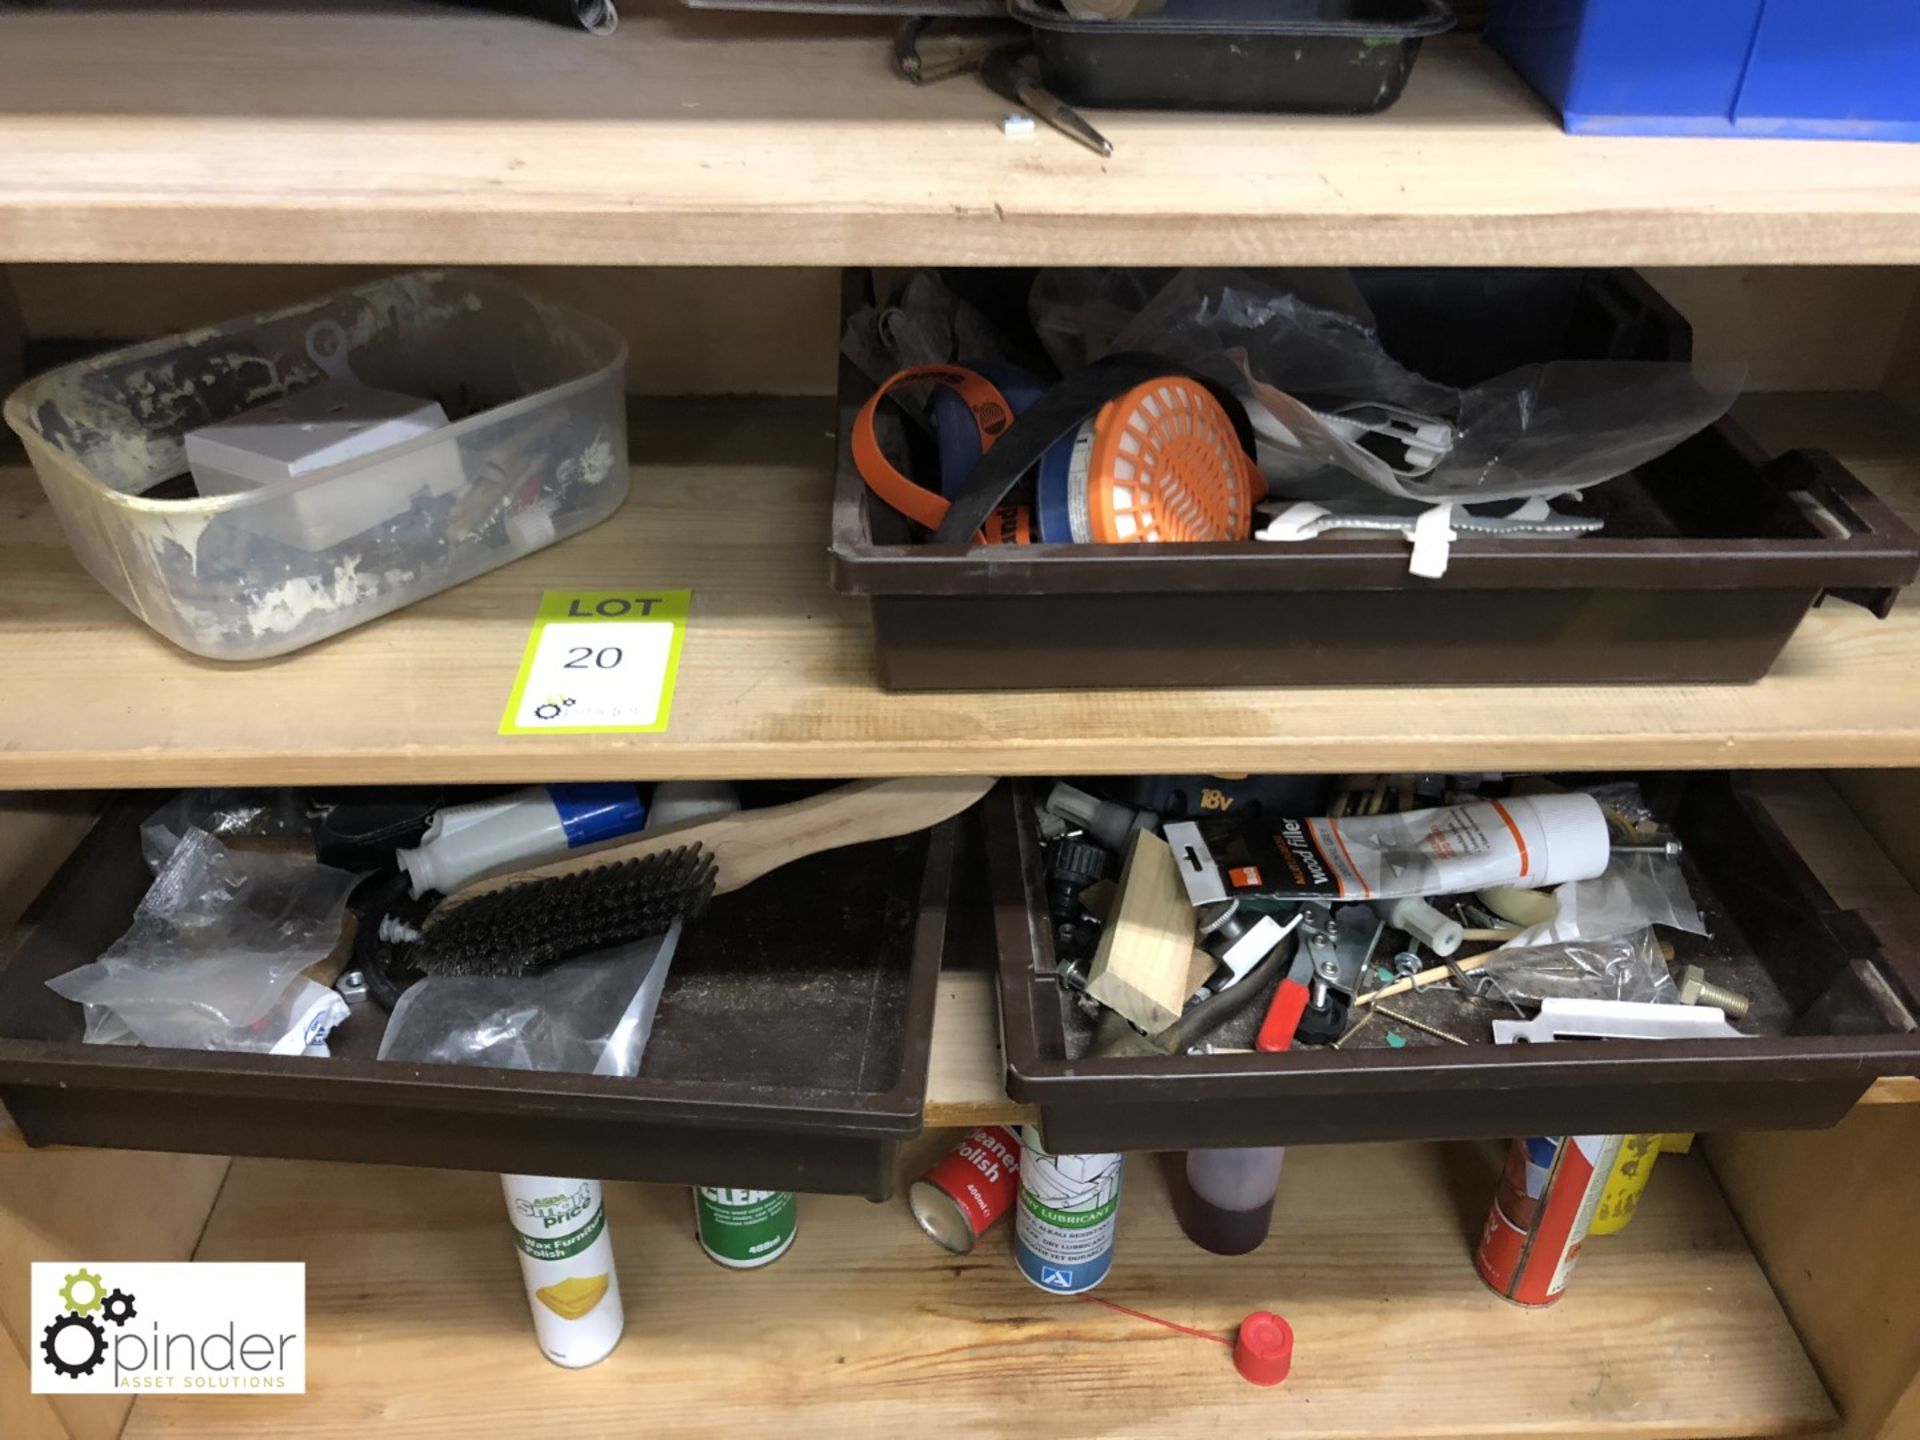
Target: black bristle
[(527, 927)]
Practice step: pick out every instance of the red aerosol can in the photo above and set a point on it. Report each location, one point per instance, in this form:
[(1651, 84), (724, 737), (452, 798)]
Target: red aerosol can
[(972, 1186), (1541, 1213)]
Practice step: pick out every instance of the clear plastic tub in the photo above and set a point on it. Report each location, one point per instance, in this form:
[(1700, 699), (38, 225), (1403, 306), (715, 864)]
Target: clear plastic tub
[(535, 394)]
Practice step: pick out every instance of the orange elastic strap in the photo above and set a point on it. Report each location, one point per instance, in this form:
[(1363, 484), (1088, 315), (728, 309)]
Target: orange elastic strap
[(991, 416)]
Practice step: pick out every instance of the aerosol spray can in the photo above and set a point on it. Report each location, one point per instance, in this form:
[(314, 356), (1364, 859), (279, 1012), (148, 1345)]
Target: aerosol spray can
[(959, 1199), (1626, 1184), (566, 1259), (1063, 1228), (745, 1229), (1541, 1214)]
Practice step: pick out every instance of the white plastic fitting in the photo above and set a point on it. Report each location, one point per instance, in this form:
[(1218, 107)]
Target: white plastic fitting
[(1427, 925)]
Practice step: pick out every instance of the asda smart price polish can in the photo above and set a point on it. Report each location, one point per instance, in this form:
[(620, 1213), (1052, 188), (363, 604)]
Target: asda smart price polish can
[(975, 1183), (566, 1260), (1064, 1224), (744, 1229)]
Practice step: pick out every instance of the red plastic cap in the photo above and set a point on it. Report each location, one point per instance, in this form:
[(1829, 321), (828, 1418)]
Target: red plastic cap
[(1263, 1352)]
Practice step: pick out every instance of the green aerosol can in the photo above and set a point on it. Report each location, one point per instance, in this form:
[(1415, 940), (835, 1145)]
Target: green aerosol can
[(745, 1229)]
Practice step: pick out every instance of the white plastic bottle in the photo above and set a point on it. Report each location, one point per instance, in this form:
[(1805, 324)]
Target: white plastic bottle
[(465, 842), (1530, 842), (566, 1259)]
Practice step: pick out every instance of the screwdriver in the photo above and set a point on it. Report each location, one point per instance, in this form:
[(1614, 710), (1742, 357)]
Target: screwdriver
[(1008, 79)]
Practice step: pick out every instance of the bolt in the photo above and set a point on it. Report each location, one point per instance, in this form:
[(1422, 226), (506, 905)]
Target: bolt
[(1666, 847), (1694, 990), (1407, 964)]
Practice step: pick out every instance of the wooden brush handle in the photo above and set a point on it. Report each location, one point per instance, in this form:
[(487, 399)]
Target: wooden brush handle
[(750, 843)]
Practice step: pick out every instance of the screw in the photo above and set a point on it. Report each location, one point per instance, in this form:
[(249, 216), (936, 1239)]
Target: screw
[(1420, 1025), (1407, 964), (1694, 990), (1666, 847)]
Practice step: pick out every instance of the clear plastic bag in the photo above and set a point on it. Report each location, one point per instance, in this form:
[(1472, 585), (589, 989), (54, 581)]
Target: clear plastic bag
[(1294, 353), (223, 814), (1637, 890), (1619, 967), (919, 321), (214, 947), (589, 1016)]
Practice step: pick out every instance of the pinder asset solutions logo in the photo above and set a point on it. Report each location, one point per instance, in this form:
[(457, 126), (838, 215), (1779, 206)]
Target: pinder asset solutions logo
[(194, 1328)]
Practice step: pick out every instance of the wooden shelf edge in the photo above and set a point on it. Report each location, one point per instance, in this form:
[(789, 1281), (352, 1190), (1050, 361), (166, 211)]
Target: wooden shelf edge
[(967, 1073), (725, 139)]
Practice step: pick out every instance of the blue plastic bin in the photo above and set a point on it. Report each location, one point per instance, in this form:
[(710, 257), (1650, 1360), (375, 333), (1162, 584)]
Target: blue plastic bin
[(1827, 69)]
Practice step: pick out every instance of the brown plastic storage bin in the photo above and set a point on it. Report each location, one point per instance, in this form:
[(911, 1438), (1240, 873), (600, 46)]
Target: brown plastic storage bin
[(1713, 554), (788, 1054), (1833, 989)]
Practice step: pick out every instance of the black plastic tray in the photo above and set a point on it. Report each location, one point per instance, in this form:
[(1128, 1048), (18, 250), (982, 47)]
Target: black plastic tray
[(1348, 57), (1713, 555), (789, 1053), (1833, 994)]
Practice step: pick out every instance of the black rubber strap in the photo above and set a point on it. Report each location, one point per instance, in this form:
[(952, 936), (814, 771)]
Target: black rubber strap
[(1053, 417)]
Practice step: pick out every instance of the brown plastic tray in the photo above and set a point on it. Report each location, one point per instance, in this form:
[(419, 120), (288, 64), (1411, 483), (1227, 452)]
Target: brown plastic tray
[(789, 1053), (1832, 991), (1712, 556)]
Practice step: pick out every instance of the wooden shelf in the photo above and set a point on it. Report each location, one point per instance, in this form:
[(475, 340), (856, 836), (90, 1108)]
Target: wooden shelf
[(730, 498), (405, 133), (966, 1071), (417, 1322)]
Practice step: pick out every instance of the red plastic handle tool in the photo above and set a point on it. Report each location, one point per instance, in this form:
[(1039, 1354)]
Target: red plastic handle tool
[(1288, 1005)]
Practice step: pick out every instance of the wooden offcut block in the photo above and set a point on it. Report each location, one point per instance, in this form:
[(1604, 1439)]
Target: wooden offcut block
[(1146, 954)]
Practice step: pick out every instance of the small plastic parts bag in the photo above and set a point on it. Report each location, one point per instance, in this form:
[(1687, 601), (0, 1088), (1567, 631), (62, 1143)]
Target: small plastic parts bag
[(223, 814), (1298, 348), (588, 1016), (214, 947), (1620, 967), (1636, 891)]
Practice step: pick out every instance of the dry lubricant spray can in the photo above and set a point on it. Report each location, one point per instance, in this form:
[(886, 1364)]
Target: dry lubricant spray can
[(1541, 1214), (1063, 1227), (566, 1259), (744, 1229)]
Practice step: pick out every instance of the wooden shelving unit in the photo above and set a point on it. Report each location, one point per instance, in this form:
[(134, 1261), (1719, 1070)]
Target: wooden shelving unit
[(730, 498), (391, 135), (417, 1320), (400, 133)]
